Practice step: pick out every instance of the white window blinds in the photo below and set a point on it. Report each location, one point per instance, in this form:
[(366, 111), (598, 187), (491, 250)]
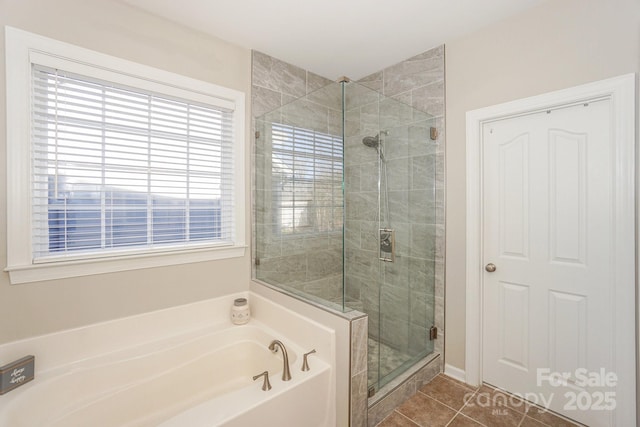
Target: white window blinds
[(118, 168), (307, 180)]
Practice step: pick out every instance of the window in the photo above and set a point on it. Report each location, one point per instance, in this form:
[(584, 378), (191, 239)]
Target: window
[(116, 167), (307, 180), (125, 166)]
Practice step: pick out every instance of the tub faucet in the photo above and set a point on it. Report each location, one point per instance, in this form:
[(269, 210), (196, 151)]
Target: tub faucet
[(286, 374)]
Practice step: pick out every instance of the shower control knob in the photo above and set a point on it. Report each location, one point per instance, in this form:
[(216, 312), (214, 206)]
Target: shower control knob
[(490, 267)]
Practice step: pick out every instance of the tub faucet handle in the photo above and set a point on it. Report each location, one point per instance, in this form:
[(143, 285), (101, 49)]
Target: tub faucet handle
[(305, 362), (266, 385)]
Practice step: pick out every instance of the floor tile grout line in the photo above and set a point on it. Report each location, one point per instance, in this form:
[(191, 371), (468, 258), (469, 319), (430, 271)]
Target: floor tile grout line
[(525, 414), (537, 420), (456, 385), (443, 404), (437, 401), (530, 405), (464, 404), (527, 407), (465, 416), (554, 414), (403, 415), (386, 417)]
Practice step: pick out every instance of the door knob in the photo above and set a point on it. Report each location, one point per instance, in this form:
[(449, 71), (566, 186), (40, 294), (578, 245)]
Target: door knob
[(490, 267)]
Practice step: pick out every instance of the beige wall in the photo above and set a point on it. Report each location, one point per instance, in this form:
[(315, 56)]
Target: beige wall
[(558, 44), (114, 28), (561, 43)]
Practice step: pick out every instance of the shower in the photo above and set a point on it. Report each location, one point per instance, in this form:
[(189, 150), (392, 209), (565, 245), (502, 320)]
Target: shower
[(386, 233), (346, 227), (375, 142), (371, 141)]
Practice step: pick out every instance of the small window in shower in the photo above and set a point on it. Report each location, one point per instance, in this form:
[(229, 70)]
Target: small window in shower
[(307, 180)]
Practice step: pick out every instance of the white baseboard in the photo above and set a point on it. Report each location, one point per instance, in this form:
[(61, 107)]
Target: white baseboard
[(455, 373)]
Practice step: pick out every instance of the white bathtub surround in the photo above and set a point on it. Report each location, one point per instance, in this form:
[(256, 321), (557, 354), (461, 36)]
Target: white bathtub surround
[(340, 323), (183, 366)]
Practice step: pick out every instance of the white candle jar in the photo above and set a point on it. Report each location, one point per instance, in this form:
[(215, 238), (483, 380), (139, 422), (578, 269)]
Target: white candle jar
[(240, 312)]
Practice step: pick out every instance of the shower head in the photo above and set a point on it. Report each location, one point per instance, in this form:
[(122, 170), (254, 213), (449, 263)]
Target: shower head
[(374, 142), (371, 141)]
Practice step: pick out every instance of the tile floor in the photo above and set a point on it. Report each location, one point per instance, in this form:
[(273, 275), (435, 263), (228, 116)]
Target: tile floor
[(447, 402)]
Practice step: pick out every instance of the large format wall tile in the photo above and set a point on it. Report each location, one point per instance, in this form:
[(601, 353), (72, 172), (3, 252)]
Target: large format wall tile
[(271, 73), (310, 263), (415, 185), (420, 70), (429, 98)]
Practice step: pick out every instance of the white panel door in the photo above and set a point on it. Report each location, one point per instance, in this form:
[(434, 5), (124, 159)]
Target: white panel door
[(548, 229)]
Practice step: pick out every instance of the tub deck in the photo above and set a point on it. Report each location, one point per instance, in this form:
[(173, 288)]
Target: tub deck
[(202, 378)]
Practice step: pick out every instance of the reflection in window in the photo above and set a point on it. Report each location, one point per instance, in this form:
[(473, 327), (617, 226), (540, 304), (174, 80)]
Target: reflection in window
[(307, 180)]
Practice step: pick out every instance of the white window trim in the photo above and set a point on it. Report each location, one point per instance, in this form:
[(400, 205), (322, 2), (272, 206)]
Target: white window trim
[(21, 48)]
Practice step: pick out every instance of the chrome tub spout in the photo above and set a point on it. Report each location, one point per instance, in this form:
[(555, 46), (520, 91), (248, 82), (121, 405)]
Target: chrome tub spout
[(286, 373)]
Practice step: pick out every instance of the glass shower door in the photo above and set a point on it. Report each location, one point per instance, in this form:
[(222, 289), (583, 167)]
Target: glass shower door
[(407, 282), (390, 161)]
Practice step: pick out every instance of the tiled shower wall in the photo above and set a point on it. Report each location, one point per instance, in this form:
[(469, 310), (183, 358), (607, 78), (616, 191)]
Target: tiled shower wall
[(292, 263), (418, 82), (310, 263)]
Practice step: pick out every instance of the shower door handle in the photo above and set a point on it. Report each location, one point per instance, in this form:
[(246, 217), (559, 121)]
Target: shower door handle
[(490, 267)]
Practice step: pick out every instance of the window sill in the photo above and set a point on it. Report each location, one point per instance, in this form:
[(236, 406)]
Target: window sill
[(88, 267)]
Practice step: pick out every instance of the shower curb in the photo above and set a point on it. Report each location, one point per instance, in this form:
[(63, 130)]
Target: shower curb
[(403, 387)]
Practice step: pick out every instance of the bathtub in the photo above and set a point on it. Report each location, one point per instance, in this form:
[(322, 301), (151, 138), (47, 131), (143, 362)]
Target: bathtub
[(201, 376)]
